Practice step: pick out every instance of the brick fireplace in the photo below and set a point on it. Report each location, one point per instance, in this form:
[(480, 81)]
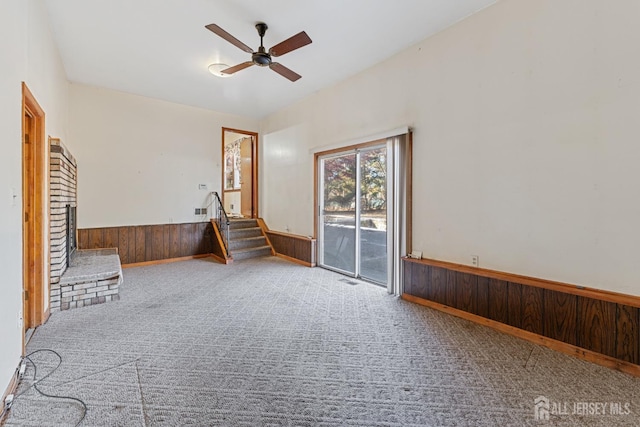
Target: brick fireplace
[(78, 278), (63, 199)]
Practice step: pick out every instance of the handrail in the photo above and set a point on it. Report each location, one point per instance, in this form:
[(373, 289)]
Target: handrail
[(222, 220)]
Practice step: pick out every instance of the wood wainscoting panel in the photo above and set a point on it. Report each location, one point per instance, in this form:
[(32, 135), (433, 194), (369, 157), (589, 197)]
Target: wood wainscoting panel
[(498, 300), (438, 285), (96, 238), (141, 244), (166, 242), (293, 247), (421, 280), (407, 278), (532, 309), (144, 243), (514, 305), (628, 330), (593, 322), (560, 316), (596, 325), (450, 293), (483, 296), (174, 242), (467, 292), (111, 238), (123, 245), (157, 238)]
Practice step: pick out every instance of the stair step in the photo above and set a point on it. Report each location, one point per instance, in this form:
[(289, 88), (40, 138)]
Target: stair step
[(243, 233), (236, 224), (251, 253), (248, 242)]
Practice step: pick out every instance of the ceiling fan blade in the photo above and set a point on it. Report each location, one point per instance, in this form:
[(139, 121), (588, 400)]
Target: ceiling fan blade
[(228, 37), (284, 71), (237, 68), (292, 43)]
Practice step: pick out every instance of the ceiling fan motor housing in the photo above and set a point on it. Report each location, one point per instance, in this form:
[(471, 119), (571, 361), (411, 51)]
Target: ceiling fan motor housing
[(261, 57)]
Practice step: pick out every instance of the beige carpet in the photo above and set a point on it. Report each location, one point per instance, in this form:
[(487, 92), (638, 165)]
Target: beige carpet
[(267, 342)]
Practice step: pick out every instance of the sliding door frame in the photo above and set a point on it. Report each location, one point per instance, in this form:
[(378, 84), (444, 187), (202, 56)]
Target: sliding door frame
[(399, 205), (319, 203)]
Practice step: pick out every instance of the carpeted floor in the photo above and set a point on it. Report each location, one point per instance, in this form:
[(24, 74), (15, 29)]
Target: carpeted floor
[(267, 342)]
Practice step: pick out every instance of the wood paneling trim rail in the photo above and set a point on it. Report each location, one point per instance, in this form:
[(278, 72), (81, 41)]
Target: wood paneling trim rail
[(265, 229), (144, 243), (553, 344), (599, 294)]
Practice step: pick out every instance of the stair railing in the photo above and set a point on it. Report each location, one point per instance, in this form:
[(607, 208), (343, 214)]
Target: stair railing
[(222, 220)]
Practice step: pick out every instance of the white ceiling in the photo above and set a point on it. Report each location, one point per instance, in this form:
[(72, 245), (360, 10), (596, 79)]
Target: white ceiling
[(160, 48)]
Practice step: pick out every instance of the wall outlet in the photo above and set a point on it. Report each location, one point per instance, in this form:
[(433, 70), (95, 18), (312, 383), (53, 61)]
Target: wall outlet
[(202, 186), (20, 320), (197, 211), (231, 205), (475, 260)]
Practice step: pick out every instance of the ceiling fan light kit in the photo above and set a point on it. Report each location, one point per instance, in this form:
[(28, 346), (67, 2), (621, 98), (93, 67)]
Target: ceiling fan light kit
[(262, 57), (216, 70)]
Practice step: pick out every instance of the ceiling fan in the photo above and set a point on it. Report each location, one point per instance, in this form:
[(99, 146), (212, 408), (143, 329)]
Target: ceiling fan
[(261, 57)]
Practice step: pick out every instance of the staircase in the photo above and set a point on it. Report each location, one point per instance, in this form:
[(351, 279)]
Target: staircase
[(246, 240)]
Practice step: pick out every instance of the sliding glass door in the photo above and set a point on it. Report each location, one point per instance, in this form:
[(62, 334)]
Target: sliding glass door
[(373, 214), (338, 218), (353, 213)]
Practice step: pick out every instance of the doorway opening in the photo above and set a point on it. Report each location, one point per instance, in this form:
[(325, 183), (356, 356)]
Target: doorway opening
[(240, 173), (363, 201), (34, 236)]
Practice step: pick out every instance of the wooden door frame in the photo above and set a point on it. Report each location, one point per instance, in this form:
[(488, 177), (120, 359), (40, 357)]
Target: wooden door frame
[(34, 234), (254, 167)]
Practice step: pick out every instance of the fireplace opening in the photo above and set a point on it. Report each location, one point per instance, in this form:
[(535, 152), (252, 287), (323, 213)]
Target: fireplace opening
[(71, 233)]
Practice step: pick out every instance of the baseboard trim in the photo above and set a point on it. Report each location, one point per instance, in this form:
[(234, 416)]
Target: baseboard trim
[(11, 389), (552, 344), (295, 260), (165, 261), (222, 260)]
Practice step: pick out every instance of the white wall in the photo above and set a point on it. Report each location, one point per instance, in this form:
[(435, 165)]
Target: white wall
[(140, 160), (26, 54), (526, 140)]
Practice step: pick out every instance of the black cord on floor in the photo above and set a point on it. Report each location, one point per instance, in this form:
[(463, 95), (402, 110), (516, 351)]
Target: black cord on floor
[(37, 381)]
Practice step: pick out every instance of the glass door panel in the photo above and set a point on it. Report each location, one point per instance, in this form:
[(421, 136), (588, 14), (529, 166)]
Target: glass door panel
[(373, 214), (338, 213)]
